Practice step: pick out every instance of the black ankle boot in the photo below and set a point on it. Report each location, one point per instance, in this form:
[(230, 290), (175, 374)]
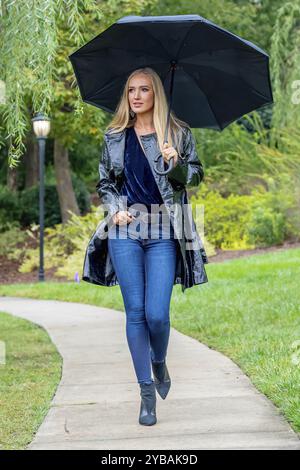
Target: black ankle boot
[(148, 404), (161, 378)]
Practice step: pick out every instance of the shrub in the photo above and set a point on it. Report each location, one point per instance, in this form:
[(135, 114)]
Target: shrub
[(10, 238), (29, 202), (262, 218), (64, 246), (265, 227), (9, 208)]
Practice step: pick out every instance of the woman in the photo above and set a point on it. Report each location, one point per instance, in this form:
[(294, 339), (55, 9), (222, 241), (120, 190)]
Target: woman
[(142, 245)]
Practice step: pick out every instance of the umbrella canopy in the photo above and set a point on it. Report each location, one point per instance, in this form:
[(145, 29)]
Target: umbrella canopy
[(211, 76)]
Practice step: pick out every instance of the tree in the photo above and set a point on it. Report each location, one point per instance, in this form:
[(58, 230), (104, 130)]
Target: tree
[(35, 41), (286, 66)]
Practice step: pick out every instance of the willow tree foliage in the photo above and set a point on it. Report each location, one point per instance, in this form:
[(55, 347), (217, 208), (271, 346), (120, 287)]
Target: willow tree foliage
[(36, 37), (285, 54)]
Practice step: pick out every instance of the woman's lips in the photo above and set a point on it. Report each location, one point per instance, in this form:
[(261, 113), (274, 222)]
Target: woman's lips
[(137, 104)]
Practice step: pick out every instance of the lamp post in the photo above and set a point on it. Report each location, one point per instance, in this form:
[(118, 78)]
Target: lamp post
[(41, 127)]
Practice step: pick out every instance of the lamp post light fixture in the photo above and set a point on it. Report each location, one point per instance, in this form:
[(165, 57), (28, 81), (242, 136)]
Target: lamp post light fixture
[(41, 127)]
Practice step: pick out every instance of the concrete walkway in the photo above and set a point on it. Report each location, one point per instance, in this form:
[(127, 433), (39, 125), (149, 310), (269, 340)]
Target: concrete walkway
[(211, 403)]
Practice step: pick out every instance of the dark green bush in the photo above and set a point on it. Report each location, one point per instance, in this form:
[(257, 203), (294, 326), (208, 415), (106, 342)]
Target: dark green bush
[(29, 203), (9, 207)]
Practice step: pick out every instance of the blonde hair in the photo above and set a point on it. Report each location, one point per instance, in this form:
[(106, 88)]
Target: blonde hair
[(122, 118)]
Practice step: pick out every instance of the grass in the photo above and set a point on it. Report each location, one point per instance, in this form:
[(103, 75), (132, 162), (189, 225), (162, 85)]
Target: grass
[(28, 380), (249, 310)]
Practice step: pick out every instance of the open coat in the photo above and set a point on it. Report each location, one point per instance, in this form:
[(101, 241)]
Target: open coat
[(188, 172)]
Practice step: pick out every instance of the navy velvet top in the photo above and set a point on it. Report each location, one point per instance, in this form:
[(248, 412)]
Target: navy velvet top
[(139, 184)]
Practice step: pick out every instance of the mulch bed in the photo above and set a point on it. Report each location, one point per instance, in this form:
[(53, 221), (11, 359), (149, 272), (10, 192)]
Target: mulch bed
[(9, 273), (223, 255)]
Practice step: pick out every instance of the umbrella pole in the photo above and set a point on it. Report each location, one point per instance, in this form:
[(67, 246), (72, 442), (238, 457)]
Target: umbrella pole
[(171, 161), (173, 67)]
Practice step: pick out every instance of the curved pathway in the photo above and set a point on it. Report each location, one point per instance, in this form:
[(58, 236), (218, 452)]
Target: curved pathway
[(211, 405)]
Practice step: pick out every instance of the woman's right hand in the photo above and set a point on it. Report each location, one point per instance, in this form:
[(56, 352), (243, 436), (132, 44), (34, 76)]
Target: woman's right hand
[(122, 217)]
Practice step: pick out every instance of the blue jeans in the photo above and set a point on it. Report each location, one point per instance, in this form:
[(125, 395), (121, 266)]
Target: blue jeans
[(145, 268)]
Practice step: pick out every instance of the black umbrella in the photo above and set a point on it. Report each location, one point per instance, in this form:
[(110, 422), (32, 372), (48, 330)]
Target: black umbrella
[(219, 75)]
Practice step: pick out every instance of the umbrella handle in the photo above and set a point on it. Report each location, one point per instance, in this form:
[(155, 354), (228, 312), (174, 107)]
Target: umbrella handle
[(164, 172)]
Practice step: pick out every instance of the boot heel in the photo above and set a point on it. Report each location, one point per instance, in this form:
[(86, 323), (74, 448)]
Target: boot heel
[(147, 415)]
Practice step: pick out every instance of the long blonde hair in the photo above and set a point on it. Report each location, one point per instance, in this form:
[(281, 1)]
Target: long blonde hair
[(122, 118)]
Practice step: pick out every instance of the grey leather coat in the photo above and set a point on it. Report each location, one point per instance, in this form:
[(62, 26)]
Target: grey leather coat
[(188, 172)]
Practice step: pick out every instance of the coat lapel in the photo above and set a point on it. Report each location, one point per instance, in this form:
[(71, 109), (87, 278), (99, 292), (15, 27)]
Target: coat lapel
[(116, 148)]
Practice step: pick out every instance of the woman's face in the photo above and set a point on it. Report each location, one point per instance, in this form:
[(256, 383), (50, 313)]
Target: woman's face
[(140, 94)]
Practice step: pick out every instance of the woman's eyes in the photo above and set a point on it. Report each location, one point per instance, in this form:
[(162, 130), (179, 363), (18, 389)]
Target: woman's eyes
[(144, 89)]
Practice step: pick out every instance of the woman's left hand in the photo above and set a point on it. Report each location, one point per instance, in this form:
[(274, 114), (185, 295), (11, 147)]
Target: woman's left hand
[(169, 152)]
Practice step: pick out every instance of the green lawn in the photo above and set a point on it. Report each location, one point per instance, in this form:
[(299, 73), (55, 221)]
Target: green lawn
[(249, 310), (28, 380)]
